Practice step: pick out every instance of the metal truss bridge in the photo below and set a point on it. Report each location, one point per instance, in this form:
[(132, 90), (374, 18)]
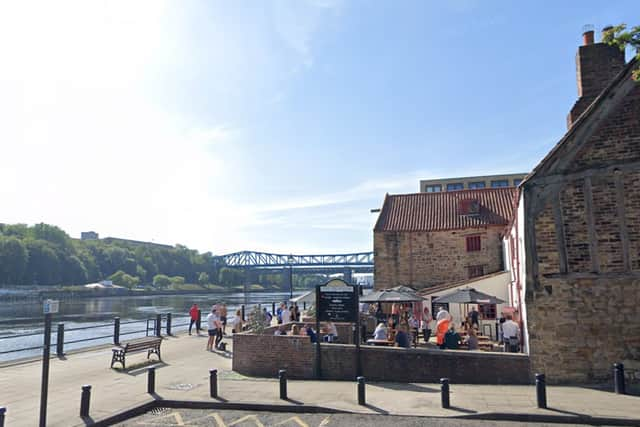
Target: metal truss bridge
[(249, 259)]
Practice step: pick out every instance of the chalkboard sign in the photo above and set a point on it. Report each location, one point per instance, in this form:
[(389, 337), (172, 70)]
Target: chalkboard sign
[(337, 302)]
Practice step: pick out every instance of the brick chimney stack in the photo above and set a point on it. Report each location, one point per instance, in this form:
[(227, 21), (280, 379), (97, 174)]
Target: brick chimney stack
[(596, 65)]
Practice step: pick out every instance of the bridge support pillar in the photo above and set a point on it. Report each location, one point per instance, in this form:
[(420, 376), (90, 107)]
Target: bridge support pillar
[(347, 275), (286, 279)]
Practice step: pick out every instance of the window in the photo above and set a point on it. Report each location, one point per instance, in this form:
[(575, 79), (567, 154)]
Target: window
[(455, 186), (433, 188), (487, 311), (475, 271), (500, 183), (476, 185), (516, 182), (473, 243)]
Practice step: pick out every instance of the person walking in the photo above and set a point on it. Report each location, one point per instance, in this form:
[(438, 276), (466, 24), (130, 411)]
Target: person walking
[(223, 318), (194, 314), (212, 330)]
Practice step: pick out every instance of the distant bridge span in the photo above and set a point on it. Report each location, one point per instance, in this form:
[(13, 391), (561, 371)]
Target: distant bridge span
[(250, 259)]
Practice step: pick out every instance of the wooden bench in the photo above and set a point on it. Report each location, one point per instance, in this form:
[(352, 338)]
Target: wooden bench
[(151, 344)]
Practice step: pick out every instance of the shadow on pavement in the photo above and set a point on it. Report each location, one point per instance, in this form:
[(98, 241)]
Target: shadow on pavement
[(376, 409), (406, 387), (464, 411), (140, 368)]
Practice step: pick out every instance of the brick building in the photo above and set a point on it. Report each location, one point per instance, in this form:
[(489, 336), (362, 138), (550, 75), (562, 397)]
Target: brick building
[(426, 239), (574, 243)]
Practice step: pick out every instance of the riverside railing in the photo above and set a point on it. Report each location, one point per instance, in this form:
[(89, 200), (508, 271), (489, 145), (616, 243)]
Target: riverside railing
[(117, 329), (150, 326)]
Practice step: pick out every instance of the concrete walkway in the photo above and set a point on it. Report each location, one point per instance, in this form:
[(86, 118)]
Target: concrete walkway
[(185, 376)]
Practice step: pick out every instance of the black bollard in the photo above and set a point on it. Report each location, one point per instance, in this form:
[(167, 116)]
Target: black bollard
[(541, 391), (304, 305), (85, 398), (213, 382), (60, 340), (361, 395), (273, 308), (2, 412), (199, 321), (282, 376), (151, 381), (116, 331), (159, 325), (444, 389), (618, 378), (169, 324), (243, 318)]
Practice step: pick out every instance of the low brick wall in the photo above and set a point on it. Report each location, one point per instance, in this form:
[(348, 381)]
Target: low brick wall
[(264, 355)]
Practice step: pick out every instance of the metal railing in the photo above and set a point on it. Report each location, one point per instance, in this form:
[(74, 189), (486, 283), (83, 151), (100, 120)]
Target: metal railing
[(149, 326), (157, 326)]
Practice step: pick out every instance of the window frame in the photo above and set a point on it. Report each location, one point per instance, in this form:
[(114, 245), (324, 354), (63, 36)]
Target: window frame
[(459, 186), (473, 243), (432, 188), (497, 183), (477, 185)]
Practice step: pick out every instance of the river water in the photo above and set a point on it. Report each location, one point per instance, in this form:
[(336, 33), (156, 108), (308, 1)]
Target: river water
[(18, 319)]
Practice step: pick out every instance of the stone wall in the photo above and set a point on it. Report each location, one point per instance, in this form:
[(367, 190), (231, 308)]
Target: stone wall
[(297, 355), (582, 311), (425, 259)]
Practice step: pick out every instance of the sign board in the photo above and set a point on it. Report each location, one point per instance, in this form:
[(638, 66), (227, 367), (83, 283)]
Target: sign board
[(337, 302), (50, 306)]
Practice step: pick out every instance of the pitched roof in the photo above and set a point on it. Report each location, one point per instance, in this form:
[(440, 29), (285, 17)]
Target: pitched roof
[(440, 211), (568, 147)]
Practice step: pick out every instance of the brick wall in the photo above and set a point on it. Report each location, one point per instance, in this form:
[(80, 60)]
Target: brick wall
[(378, 364), (583, 320), (424, 259)]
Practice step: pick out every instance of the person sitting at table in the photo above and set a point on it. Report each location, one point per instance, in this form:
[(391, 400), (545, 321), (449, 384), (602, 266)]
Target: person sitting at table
[(282, 330), (295, 330), (452, 339), (380, 332), (402, 338), (472, 339), (310, 333), (331, 332)]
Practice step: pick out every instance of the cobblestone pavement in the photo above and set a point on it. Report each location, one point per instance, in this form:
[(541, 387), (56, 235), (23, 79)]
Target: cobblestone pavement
[(220, 418)]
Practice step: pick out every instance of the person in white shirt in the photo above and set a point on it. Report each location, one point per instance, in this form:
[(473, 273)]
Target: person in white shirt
[(286, 315), (212, 326), (511, 335), (237, 322), (380, 333), (442, 314)]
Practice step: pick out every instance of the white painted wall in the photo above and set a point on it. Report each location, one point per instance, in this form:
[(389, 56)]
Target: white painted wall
[(496, 285)]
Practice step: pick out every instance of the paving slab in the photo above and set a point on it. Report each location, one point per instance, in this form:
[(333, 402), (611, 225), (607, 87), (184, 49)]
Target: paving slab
[(184, 375)]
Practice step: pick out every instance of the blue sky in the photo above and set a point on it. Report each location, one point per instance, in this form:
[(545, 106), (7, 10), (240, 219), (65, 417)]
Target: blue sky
[(273, 125)]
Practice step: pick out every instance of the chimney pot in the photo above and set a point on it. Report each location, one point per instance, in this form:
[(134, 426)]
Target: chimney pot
[(587, 38)]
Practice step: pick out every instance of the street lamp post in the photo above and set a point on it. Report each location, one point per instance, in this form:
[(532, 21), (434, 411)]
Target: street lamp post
[(290, 260)]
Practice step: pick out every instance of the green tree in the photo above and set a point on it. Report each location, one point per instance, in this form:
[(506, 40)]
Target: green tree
[(203, 278), (121, 278), (161, 281), (620, 37), (177, 280), (44, 263), (14, 258)]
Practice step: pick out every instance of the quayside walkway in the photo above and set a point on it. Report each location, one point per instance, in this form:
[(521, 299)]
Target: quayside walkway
[(184, 375)]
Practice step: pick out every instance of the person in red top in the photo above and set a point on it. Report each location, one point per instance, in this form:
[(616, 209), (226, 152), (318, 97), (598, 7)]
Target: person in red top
[(195, 318)]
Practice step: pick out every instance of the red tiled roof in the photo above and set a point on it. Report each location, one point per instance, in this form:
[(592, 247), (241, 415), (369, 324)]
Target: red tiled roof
[(440, 211)]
